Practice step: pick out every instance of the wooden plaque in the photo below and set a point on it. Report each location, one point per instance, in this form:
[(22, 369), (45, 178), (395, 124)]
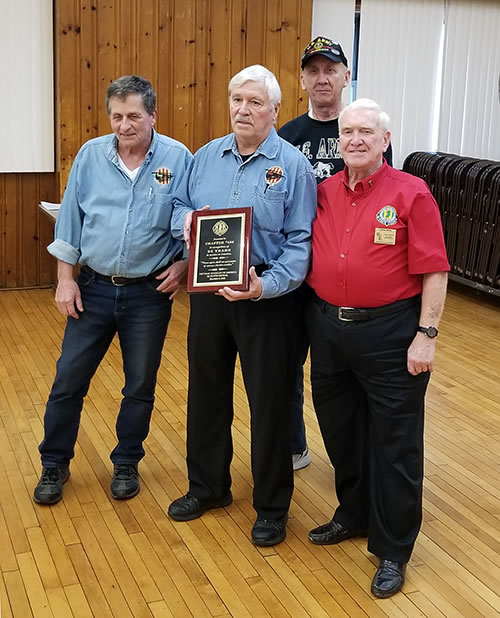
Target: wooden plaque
[(220, 249)]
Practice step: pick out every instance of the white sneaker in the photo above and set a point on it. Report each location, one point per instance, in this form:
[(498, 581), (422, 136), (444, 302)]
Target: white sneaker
[(301, 460)]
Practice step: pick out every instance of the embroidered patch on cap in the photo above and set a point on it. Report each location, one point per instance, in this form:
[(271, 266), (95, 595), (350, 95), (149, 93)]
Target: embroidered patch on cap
[(163, 175), (387, 215), (326, 47), (274, 175)]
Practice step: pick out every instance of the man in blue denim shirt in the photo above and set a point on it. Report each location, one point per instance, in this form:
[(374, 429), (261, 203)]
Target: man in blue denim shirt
[(260, 324), (115, 222)]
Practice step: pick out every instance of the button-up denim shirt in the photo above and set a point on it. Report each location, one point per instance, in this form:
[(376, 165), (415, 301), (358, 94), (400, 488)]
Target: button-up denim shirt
[(278, 182), (113, 224)]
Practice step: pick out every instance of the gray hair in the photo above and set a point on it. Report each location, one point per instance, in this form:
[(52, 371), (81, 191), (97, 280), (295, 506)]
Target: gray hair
[(368, 104), (132, 84), (258, 73)]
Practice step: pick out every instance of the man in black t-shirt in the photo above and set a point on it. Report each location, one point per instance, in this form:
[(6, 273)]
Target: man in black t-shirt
[(316, 133), (324, 76)]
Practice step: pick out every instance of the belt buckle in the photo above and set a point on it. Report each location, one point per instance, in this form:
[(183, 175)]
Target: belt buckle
[(340, 314), (113, 277)]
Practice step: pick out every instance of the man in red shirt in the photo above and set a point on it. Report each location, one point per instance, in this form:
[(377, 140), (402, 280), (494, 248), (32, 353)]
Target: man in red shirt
[(379, 274)]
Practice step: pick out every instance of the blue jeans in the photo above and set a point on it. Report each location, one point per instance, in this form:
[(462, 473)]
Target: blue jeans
[(140, 316)]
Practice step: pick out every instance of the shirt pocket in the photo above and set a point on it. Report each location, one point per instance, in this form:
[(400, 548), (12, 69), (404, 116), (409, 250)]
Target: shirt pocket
[(159, 208), (269, 208)]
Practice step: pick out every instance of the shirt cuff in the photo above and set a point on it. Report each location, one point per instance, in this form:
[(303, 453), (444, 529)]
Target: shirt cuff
[(268, 288), (64, 251)]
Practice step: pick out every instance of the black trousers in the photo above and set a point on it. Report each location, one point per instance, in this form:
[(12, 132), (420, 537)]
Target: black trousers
[(371, 414), (263, 333)]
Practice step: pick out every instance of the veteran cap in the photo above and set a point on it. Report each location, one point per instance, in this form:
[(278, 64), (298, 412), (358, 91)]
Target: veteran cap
[(325, 47)]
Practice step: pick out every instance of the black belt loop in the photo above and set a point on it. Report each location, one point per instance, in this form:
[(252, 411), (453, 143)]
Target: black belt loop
[(119, 281), (353, 314)]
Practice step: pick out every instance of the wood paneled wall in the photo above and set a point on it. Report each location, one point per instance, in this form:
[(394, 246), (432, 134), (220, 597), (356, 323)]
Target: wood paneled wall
[(189, 49), (24, 231)]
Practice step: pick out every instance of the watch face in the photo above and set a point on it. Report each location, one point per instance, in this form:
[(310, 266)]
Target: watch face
[(430, 331)]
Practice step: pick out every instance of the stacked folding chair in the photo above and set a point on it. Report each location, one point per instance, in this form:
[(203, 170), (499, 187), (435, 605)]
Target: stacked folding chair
[(468, 194)]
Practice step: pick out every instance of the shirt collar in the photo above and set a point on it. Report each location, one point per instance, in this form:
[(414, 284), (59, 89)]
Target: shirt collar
[(112, 153), (268, 148), (370, 182)]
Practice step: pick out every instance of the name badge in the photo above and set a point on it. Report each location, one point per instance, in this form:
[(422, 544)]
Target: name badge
[(383, 236)]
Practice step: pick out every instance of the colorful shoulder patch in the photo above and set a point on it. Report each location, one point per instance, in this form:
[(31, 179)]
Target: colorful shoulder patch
[(163, 175), (274, 175), (387, 215)]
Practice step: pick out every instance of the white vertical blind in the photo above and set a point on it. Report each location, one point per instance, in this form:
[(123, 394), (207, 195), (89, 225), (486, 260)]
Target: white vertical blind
[(398, 66), (26, 74), (470, 108)]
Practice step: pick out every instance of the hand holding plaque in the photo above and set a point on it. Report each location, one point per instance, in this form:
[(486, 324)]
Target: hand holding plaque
[(220, 249)]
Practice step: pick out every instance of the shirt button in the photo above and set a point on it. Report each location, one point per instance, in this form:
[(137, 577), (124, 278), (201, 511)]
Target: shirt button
[(342, 255), (347, 229), (353, 204)]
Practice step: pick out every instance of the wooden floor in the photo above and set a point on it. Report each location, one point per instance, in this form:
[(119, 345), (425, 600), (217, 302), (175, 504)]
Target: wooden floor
[(92, 556)]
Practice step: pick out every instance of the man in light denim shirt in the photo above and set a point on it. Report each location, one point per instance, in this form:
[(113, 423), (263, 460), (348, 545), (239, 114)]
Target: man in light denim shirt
[(250, 167), (115, 222)]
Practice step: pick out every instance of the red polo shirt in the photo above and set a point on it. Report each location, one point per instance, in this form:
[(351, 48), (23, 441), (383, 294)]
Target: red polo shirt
[(371, 246)]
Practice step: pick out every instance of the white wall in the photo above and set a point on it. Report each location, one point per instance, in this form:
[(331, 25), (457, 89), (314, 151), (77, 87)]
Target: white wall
[(26, 75), (337, 25)]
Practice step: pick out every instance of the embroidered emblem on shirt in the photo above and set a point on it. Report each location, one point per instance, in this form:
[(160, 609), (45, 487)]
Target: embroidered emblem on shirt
[(220, 228), (163, 175), (387, 215), (274, 175)]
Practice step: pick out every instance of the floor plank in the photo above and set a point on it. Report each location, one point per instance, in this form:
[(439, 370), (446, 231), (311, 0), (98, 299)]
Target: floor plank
[(92, 556)]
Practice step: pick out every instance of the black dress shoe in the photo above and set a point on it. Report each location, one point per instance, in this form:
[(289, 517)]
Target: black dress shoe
[(389, 579), (190, 507), (332, 533), (125, 481), (50, 486), (267, 532)]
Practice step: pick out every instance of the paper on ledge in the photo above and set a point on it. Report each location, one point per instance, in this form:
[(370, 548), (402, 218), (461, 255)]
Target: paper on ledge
[(49, 205)]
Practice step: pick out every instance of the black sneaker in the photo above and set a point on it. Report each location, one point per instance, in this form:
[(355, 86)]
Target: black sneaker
[(267, 532), (50, 486), (333, 533), (190, 507), (125, 481)]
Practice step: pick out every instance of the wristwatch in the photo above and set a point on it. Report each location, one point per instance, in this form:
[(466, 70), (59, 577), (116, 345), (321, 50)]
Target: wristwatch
[(430, 331)]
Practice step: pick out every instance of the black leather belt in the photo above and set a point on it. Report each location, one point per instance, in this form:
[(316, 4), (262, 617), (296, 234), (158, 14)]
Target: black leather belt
[(352, 314), (119, 281)]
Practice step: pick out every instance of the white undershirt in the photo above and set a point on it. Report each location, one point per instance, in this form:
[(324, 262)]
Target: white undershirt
[(130, 173)]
